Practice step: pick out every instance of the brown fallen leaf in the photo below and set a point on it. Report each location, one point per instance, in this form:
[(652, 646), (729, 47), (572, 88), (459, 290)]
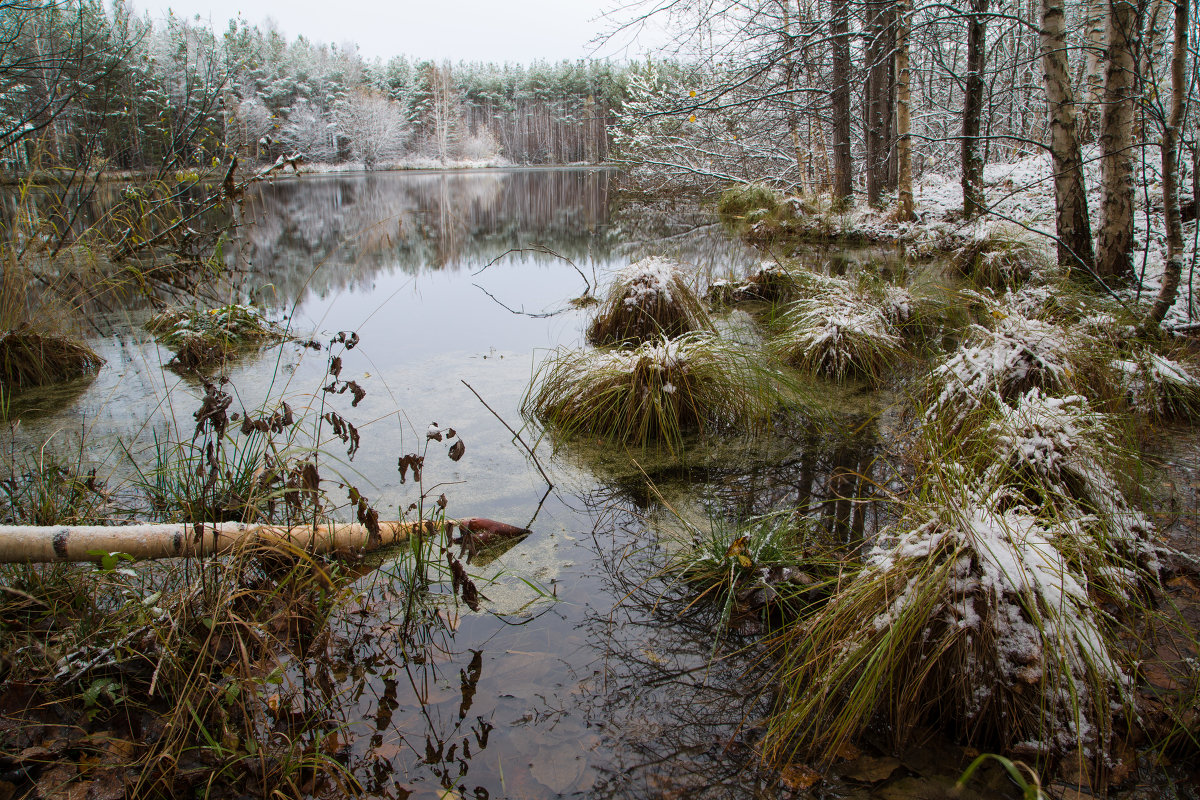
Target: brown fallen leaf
[(868, 769), (847, 752), (110, 785), (798, 777)]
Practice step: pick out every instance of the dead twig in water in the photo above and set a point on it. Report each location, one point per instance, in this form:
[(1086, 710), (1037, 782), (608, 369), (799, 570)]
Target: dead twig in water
[(522, 312), (544, 250), (517, 438), (585, 299)]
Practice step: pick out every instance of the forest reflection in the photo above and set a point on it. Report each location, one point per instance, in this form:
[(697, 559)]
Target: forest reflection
[(327, 233)]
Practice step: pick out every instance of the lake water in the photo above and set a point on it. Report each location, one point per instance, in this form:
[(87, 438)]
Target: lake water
[(610, 687)]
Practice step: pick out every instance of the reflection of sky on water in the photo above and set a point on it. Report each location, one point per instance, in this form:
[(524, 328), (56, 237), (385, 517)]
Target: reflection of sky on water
[(607, 692)]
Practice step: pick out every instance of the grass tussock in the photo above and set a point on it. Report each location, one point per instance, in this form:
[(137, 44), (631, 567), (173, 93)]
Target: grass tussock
[(747, 203), (772, 282), (656, 392), (650, 299), (203, 339), (1001, 256), (841, 333), (775, 567), (995, 606), (29, 358), (997, 364), (1157, 386)]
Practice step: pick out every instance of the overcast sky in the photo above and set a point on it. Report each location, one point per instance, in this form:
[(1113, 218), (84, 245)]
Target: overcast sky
[(469, 30)]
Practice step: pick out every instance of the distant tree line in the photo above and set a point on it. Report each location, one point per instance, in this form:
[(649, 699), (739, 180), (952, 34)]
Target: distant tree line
[(88, 86)]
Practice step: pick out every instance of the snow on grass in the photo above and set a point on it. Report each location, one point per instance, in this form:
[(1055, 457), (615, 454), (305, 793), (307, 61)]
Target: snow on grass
[(975, 610), (838, 332), (1158, 386), (648, 280), (1008, 612), (1001, 255), (999, 363), (649, 299), (653, 393), (1061, 455), (993, 602), (1020, 194)]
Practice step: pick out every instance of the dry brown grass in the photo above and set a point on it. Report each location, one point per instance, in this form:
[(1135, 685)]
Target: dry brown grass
[(29, 358)]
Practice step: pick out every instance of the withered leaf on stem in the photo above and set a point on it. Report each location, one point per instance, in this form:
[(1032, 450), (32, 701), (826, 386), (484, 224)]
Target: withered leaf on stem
[(414, 461), (335, 366), (456, 450), (348, 338), (442, 502), (212, 411), (310, 479)]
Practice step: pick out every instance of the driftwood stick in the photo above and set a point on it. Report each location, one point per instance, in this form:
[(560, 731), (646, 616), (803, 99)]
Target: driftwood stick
[(34, 544)]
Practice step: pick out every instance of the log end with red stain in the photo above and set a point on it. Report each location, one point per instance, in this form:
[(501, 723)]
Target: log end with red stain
[(486, 531)]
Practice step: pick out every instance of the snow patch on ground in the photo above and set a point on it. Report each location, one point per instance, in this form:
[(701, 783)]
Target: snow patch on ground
[(1021, 193)]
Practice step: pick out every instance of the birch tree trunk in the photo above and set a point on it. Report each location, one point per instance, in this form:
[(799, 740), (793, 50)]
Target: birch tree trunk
[(1095, 12), (904, 191), (843, 176), (1170, 171), (972, 159), (1070, 197), (1114, 246), (877, 108), (34, 544)]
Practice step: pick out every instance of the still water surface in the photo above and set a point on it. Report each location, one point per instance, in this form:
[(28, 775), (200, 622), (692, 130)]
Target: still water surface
[(608, 689)]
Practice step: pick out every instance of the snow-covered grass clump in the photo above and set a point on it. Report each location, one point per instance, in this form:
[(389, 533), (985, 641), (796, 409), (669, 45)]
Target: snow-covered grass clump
[(770, 282), (649, 299), (839, 332), (1000, 363), (202, 339), (1001, 256), (656, 392), (1157, 386), (1061, 458), (993, 603)]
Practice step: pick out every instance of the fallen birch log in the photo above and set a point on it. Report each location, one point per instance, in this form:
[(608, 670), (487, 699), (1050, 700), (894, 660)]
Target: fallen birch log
[(39, 544)]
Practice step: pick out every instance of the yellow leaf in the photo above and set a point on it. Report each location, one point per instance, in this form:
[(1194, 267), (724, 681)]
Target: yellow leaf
[(692, 118), (740, 550), (692, 93)]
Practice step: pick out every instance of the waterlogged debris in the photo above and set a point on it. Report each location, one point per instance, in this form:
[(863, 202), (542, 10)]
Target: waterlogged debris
[(869, 769), (798, 777), (204, 338)]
